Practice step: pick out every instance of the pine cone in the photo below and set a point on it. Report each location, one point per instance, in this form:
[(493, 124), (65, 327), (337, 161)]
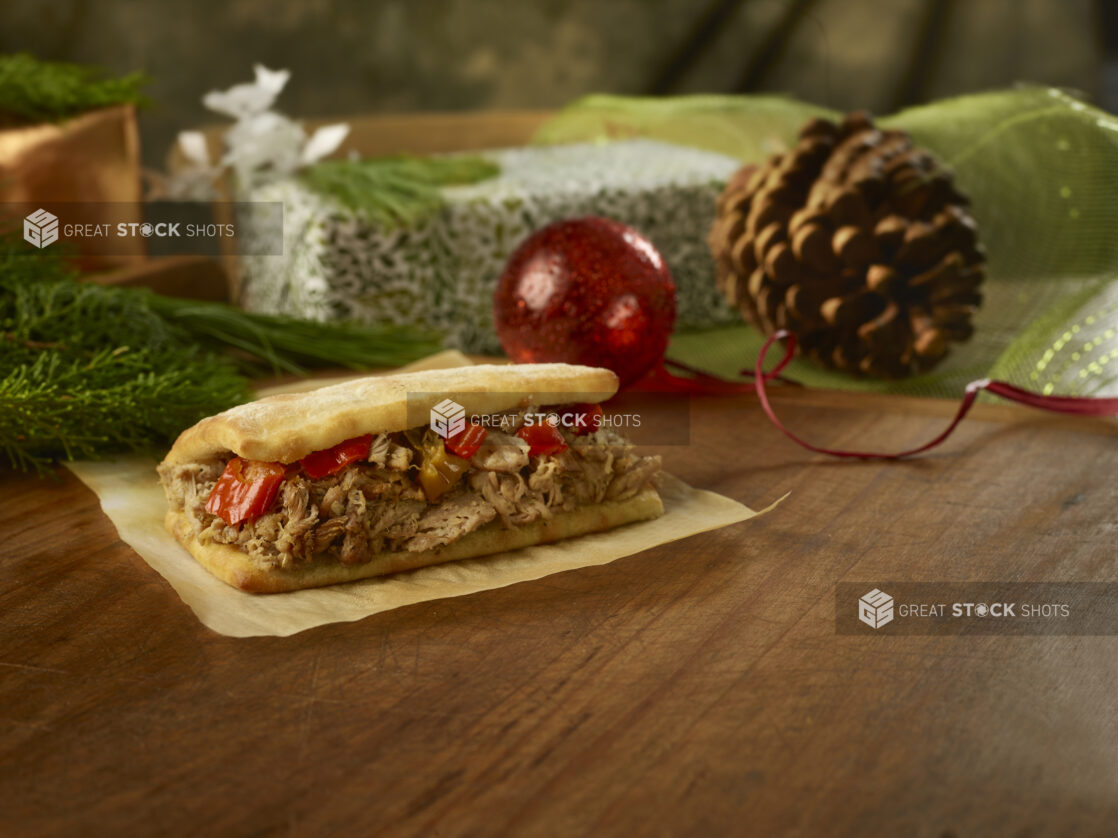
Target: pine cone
[(855, 241)]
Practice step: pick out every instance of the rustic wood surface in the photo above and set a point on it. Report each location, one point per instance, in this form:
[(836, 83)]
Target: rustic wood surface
[(695, 689)]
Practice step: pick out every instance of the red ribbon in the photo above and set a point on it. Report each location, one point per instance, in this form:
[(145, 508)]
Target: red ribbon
[(697, 382), (702, 383), (1076, 405)]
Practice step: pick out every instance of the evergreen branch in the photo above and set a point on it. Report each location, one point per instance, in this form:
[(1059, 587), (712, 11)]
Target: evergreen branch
[(116, 400), (45, 91), (396, 191), (88, 370), (289, 344), (55, 308)]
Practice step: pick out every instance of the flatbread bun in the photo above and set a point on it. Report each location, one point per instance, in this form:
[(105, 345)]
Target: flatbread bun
[(238, 569), (288, 427)]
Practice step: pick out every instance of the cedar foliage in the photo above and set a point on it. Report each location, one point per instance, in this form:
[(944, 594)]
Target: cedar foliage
[(88, 370), (46, 91)]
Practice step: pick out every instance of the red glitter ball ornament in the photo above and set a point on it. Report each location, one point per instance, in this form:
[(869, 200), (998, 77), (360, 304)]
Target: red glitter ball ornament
[(586, 291)]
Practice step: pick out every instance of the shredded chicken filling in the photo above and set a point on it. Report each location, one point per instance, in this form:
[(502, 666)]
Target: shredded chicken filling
[(376, 506)]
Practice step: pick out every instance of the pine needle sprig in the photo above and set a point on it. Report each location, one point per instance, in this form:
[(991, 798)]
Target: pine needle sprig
[(45, 91), (399, 190), (55, 308), (288, 344)]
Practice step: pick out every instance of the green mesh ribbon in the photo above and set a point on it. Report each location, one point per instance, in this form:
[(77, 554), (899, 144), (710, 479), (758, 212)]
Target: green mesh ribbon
[(1041, 168)]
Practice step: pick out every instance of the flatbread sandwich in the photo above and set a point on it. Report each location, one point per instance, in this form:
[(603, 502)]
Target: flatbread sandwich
[(384, 474)]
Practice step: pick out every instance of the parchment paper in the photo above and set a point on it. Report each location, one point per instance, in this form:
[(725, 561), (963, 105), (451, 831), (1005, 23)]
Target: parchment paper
[(133, 500)]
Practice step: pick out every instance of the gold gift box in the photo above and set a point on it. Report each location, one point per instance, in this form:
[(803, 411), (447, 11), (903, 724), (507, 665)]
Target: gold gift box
[(93, 159)]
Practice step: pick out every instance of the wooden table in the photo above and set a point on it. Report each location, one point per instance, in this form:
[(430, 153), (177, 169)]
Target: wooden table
[(695, 689)]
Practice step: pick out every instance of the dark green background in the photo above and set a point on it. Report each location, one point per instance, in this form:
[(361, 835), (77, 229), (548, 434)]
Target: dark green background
[(396, 55)]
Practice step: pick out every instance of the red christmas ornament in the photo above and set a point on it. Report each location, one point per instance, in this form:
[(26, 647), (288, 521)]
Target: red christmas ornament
[(586, 291)]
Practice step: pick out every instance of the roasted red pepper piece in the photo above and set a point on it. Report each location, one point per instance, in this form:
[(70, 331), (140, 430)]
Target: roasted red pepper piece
[(543, 439), (583, 419), (245, 490), (324, 463), (466, 443)]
